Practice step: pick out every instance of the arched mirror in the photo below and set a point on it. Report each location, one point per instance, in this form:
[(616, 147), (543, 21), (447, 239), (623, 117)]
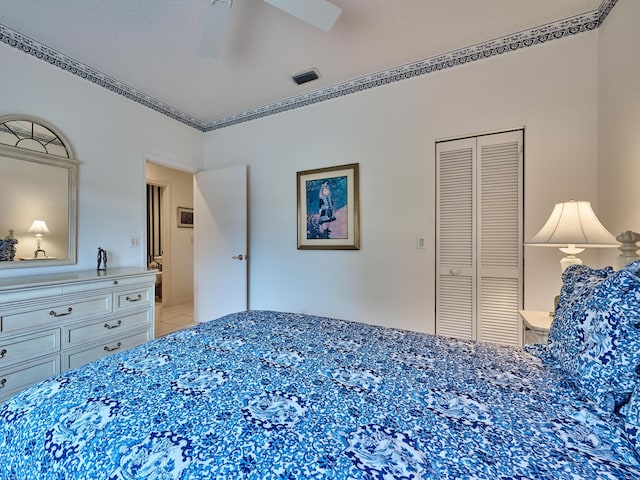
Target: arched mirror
[(37, 195)]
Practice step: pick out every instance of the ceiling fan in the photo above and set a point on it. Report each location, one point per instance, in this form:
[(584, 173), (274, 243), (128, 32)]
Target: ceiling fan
[(321, 14)]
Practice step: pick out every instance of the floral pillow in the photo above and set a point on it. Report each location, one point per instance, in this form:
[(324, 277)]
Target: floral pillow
[(567, 332), (631, 412), (607, 363)]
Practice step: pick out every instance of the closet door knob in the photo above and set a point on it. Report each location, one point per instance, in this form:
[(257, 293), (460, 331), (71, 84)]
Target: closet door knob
[(454, 271)]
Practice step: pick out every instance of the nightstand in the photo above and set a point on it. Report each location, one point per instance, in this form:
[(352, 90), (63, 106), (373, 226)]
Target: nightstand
[(535, 326)]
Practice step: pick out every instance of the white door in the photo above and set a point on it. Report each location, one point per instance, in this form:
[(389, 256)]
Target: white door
[(499, 238), (220, 233), (455, 258), (479, 238)]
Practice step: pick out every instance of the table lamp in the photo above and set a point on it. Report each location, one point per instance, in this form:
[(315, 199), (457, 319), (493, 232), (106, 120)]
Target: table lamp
[(572, 227), (39, 227)]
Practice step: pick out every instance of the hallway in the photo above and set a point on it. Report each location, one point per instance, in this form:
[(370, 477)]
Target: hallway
[(172, 319)]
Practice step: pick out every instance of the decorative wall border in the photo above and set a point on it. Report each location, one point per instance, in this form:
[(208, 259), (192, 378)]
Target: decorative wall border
[(53, 57), (526, 38)]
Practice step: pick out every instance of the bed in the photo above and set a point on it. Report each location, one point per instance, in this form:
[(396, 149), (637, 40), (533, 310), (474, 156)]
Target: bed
[(274, 395)]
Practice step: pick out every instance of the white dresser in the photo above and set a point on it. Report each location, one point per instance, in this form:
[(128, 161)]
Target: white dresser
[(52, 323)]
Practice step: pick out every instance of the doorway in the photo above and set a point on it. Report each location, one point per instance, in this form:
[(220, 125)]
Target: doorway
[(170, 245)]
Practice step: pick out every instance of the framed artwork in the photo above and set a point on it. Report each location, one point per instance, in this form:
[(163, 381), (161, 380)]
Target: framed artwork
[(185, 217), (328, 210)]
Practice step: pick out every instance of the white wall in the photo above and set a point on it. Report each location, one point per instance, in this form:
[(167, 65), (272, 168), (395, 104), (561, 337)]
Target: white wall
[(111, 137), (619, 102), (550, 89), (177, 282)]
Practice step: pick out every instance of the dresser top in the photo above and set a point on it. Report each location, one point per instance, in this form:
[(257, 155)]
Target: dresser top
[(8, 284)]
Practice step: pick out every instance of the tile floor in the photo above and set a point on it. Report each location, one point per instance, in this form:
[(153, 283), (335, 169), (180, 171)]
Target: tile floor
[(171, 319)]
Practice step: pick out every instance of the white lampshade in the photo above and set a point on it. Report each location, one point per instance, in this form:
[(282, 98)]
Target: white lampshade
[(572, 226), (38, 227)]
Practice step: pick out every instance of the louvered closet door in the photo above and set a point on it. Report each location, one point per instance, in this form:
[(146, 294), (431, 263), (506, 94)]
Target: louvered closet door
[(500, 237), (455, 259), (479, 238)]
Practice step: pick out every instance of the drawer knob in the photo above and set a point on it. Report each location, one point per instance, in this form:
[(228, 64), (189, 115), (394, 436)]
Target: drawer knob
[(3, 352), (2, 382), (112, 349), (115, 282), (136, 299), (56, 314), (106, 325)]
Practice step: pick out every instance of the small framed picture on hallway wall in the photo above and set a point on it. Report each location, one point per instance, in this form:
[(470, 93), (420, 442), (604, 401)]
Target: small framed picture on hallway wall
[(185, 217), (328, 208)]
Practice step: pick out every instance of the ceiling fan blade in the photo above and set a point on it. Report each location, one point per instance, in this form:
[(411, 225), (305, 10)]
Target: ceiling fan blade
[(214, 27), (319, 13)]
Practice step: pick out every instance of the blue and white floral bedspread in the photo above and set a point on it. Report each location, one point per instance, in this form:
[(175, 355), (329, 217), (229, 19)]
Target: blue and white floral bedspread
[(270, 395)]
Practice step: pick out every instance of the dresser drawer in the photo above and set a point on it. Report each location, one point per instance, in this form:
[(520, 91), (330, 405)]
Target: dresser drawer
[(29, 294), (139, 297), (21, 376), (113, 345), (27, 347), (107, 283), (84, 333), (81, 309)]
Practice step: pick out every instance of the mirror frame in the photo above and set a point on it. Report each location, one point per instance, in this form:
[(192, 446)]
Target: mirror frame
[(71, 165)]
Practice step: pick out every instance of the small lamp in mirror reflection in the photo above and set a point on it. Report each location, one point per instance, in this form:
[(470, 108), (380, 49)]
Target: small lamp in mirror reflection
[(39, 227), (572, 227)]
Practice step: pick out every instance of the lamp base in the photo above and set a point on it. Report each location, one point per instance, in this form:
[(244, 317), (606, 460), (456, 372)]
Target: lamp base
[(569, 260)]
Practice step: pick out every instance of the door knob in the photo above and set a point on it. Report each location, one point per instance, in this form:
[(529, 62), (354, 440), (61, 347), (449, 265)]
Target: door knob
[(239, 257)]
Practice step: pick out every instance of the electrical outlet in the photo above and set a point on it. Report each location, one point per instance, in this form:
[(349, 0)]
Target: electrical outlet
[(134, 242)]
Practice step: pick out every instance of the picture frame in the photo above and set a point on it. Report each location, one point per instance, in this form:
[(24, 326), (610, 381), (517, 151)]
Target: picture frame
[(185, 217), (328, 208)]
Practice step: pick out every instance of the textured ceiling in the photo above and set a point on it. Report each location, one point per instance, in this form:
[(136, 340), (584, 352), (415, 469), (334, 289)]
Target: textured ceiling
[(151, 46)]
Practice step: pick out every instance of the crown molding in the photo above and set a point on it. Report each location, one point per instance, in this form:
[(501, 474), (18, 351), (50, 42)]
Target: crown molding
[(39, 50), (527, 38)]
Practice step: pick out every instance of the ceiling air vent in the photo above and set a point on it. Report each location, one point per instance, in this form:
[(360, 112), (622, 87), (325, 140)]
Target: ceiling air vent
[(305, 77)]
